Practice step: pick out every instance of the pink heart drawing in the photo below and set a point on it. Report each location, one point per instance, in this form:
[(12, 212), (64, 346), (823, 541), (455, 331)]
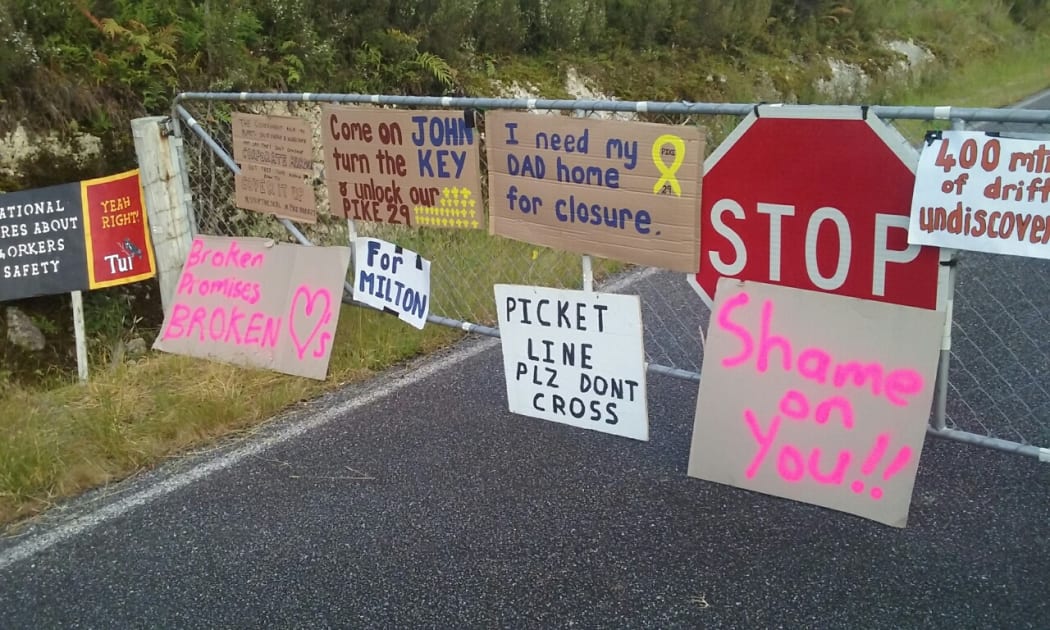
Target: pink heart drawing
[(311, 313)]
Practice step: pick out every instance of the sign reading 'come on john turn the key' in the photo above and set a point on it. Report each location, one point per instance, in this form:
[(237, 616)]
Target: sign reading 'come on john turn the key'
[(412, 168)]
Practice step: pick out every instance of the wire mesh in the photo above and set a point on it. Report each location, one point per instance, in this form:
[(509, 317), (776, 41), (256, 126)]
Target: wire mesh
[(1000, 361)]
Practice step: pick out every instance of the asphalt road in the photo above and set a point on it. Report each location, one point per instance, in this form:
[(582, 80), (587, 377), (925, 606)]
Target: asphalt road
[(416, 500)]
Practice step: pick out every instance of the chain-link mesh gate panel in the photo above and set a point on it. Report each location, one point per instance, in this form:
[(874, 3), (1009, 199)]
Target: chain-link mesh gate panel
[(999, 358), (999, 379), (464, 263)]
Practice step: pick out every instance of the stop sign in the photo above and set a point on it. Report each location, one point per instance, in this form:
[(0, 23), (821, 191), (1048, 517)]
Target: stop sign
[(815, 198)]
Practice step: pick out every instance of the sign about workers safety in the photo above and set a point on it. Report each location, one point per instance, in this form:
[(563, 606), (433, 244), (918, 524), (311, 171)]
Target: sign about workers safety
[(628, 191), (415, 168), (982, 192), (816, 397), (74, 237), (574, 357), (392, 279)]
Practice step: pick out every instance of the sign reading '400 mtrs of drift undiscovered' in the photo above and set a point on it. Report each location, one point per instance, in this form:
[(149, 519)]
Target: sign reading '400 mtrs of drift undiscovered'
[(622, 190)]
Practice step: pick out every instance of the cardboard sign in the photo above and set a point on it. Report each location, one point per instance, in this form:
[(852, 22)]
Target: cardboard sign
[(116, 231), (279, 191), (412, 168), (982, 193), (574, 357), (392, 279), (276, 159), (816, 397), (279, 141), (74, 237), (257, 303), (622, 190)]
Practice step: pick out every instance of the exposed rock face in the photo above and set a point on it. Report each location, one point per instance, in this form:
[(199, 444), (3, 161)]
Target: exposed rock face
[(22, 332)]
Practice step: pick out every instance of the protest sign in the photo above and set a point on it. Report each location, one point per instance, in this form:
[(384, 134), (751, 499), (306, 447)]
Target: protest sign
[(574, 357), (116, 231), (73, 237), (412, 168), (258, 303), (982, 192), (392, 279), (627, 191), (275, 154), (816, 397)]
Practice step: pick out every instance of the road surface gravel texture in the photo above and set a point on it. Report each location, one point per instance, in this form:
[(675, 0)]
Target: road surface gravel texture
[(416, 500)]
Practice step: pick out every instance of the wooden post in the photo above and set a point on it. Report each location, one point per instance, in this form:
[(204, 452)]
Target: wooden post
[(167, 199)]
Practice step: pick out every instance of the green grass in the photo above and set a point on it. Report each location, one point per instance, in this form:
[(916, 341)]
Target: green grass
[(58, 442)]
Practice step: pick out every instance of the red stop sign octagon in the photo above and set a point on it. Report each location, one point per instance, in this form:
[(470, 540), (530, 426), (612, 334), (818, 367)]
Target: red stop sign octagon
[(815, 198)]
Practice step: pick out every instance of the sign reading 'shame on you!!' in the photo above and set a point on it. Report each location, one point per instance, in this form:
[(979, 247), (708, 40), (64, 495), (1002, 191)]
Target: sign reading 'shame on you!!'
[(413, 168), (816, 397), (627, 191), (74, 237), (257, 303)]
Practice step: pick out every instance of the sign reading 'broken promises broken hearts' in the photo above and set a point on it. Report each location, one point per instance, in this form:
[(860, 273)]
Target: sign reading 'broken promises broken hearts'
[(257, 303)]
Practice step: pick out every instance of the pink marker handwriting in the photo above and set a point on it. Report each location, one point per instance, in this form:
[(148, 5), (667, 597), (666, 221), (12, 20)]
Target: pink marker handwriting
[(795, 405), (223, 325), (813, 364), (315, 309), (231, 256), (230, 288), (792, 465)]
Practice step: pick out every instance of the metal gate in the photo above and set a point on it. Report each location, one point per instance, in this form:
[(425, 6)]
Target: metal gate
[(992, 387)]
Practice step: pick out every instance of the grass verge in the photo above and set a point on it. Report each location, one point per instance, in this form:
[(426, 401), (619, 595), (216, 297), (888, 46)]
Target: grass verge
[(58, 442)]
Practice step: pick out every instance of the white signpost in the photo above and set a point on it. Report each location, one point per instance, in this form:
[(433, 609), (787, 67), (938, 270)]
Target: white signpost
[(574, 357)]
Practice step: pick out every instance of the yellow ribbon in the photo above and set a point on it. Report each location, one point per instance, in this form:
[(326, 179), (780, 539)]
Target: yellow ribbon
[(667, 173)]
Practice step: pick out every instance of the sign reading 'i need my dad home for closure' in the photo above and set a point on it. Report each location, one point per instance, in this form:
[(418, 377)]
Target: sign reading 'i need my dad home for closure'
[(628, 191)]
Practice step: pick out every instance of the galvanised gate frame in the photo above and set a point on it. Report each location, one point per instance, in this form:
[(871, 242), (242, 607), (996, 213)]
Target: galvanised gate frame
[(995, 359)]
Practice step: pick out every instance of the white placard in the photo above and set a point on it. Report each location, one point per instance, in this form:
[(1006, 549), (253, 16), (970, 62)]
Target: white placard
[(574, 357), (982, 193), (392, 279)]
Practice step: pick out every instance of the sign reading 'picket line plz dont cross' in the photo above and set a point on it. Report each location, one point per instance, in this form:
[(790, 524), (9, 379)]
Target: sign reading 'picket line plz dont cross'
[(257, 303), (74, 237), (574, 357)]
